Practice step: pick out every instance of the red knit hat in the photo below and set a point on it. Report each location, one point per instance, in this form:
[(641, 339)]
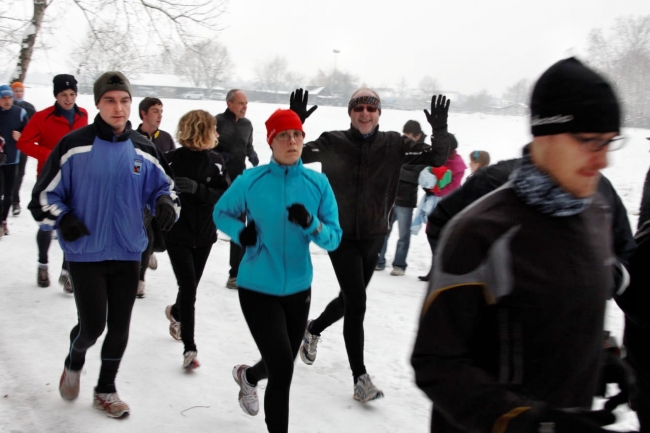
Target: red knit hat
[(281, 120), (17, 84)]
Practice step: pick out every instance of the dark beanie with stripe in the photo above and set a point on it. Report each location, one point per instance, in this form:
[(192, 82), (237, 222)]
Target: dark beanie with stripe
[(571, 98)]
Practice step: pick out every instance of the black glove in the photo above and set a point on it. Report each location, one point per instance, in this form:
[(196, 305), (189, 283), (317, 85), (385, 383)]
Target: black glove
[(564, 421), (185, 184), (299, 215), (439, 112), (254, 159), (72, 228), (298, 104), (248, 236), (165, 213)]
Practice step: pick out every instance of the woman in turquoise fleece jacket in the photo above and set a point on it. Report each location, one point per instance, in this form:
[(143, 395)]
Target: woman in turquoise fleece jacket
[(287, 206)]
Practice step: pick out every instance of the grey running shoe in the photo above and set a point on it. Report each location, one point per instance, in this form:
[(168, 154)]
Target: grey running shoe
[(111, 403), (140, 292), (247, 393), (190, 360), (174, 325), (309, 346), (153, 262), (379, 268), (397, 271), (69, 384), (15, 209), (42, 278), (232, 283), (66, 281), (364, 390)]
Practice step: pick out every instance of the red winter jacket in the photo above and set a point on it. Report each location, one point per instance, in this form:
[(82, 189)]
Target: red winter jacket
[(44, 131)]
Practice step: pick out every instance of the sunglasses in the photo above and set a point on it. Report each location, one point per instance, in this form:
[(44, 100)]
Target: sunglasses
[(368, 108), (594, 144)]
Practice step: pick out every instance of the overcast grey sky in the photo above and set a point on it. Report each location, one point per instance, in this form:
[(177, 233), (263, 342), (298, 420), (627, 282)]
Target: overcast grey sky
[(466, 45)]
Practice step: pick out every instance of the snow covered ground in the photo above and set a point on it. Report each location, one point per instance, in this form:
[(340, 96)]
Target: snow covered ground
[(36, 322)]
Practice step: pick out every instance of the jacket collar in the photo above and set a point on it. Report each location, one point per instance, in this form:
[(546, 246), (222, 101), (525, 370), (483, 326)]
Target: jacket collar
[(58, 110), (357, 135), (105, 132), (288, 170), (230, 115), (146, 134)]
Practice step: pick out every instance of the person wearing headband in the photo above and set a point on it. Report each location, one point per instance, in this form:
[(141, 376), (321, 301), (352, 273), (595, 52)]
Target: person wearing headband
[(363, 164)]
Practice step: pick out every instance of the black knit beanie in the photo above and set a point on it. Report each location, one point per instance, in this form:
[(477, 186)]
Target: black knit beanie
[(64, 82), (570, 98), (111, 80)]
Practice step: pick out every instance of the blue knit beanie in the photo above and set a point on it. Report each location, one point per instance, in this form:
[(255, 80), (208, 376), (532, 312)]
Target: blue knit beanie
[(5, 90)]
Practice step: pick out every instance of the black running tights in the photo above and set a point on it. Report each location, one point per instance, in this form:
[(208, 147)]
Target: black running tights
[(104, 293), (277, 324), (354, 263)]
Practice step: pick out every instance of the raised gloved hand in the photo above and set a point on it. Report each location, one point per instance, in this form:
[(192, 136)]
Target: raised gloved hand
[(72, 228), (254, 159), (439, 112), (248, 236), (298, 214), (165, 213), (298, 104), (185, 184)]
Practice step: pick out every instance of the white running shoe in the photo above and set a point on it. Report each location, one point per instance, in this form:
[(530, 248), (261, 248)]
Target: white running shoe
[(190, 360), (309, 346), (153, 262), (111, 403), (69, 384), (174, 325), (365, 390), (140, 293), (248, 400), (66, 281), (397, 271)]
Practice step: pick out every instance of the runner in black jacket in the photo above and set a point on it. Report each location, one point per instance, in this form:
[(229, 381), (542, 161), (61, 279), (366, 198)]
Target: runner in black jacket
[(511, 329), (201, 178), (363, 166)]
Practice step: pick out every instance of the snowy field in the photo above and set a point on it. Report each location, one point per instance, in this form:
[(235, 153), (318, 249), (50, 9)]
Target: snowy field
[(36, 322)]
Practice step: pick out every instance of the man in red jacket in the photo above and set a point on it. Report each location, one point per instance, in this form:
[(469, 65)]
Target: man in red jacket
[(43, 132)]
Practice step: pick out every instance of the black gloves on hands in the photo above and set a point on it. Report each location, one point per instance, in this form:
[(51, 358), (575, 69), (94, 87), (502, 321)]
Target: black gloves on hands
[(185, 184), (298, 214), (439, 112), (298, 104), (254, 159), (165, 213), (248, 236), (72, 228)]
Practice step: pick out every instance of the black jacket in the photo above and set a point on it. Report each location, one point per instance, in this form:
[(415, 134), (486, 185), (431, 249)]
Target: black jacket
[(161, 139), (364, 173), (514, 314), (489, 178), (407, 187), (235, 142), (31, 110), (195, 226)]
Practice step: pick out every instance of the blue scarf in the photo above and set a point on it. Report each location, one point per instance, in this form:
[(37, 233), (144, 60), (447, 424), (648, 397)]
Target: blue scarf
[(539, 191)]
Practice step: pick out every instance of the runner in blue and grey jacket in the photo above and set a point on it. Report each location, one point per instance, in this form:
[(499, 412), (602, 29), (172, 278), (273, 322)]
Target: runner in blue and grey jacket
[(93, 190)]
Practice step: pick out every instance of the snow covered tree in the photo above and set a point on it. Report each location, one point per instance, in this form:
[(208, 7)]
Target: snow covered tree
[(519, 92), (428, 86), (623, 55), (274, 75), (206, 63), (337, 82), (146, 24)]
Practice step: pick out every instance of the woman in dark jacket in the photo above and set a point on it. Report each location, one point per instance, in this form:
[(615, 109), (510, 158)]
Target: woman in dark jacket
[(201, 178)]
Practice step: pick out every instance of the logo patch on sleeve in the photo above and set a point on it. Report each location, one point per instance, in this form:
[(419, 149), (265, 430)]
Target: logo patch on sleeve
[(137, 166)]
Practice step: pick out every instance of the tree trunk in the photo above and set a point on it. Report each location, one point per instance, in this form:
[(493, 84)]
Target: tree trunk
[(27, 44)]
